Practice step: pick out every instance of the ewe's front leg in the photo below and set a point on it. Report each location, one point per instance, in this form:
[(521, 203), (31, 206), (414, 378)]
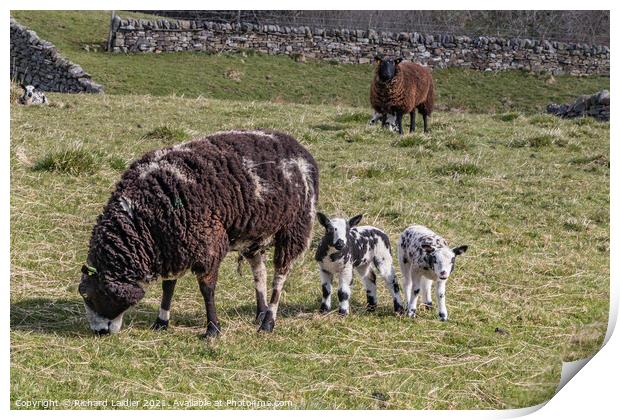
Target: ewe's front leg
[(163, 318), (344, 289), (441, 300), (326, 291)]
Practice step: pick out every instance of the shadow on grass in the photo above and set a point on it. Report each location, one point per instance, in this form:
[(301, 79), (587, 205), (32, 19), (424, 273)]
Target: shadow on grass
[(66, 316)]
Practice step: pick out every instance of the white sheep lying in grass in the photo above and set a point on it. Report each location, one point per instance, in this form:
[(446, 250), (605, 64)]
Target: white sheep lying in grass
[(387, 120), (425, 257)]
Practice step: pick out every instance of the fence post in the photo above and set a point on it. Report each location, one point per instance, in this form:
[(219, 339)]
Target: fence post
[(111, 33)]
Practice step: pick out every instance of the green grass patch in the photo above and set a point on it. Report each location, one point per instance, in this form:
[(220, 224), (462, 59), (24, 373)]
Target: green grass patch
[(73, 161), (167, 132), (458, 168)]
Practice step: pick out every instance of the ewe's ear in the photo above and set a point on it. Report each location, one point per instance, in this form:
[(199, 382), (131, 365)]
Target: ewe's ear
[(323, 220), (460, 250), (355, 220), (398, 60)]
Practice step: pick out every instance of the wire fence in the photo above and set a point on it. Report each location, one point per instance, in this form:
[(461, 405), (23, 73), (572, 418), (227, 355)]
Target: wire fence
[(579, 26)]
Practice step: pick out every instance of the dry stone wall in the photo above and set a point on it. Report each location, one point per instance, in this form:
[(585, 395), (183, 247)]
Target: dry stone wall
[(359, 46), (37, 62)]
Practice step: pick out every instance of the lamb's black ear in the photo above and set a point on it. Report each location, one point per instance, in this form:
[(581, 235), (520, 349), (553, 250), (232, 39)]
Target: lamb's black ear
[(398, 60), (323, 220), (460, 250), (84, 269), (21, 85), (355, 220), (377, 59)]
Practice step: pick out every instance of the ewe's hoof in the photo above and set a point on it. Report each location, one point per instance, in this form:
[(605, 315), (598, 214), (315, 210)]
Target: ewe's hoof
[(159, 324), (212, 331), (268, 323), (259, 318)]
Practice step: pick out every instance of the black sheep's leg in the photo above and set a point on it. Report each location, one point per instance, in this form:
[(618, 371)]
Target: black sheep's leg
[(259, 270), (399, 121), (207, 288), (424, 117), (163, 318), (412, 125), (383, 120)]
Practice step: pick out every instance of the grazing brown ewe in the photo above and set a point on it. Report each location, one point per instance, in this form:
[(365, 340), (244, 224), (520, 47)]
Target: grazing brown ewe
[(399, 88), (184, 207)]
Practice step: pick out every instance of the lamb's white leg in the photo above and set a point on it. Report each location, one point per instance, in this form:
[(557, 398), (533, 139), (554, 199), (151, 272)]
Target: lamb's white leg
[(441, 300), (386, 269), (344, 289), (426, 290), (326, 289), (407, 282), (416, 279), (370, 284)]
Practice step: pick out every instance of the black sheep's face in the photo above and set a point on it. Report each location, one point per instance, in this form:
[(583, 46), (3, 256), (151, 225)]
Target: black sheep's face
[(337, 230), (387, 68), (106, 300)]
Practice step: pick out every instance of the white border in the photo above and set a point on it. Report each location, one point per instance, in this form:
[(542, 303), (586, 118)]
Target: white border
[(593, 393)]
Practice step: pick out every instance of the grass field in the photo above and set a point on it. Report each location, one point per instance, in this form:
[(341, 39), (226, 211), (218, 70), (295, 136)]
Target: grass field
[(280, 79), (530, 195), (527, 192)]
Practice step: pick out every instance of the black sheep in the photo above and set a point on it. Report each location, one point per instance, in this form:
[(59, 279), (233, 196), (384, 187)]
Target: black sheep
[(184, 207)]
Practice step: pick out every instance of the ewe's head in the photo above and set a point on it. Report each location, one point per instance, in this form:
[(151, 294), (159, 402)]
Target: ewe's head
[(337, 231), (106, 299), (387, 67), (441, 259)]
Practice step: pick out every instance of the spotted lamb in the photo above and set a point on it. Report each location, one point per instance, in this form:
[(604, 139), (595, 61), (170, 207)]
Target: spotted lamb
[(424, 257), (32, 96), (345, 247)]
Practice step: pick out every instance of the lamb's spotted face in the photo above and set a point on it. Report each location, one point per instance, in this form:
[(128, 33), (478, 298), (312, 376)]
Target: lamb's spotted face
[(336, 233), (441, 260)]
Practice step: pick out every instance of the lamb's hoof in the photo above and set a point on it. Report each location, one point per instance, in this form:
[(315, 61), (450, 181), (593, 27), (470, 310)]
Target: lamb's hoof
[(324, 309), (343, 312), (159, 325), (443, 317), (268, 323), (428, 305), (398, 308), (212, 331), (411, 313)]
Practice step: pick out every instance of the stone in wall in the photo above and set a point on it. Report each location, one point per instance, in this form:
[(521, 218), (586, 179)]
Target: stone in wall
[(37, 62)]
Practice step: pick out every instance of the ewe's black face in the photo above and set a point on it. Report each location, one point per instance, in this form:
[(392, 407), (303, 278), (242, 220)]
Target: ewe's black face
[(387, 68), (106, 301), (337, 230)]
